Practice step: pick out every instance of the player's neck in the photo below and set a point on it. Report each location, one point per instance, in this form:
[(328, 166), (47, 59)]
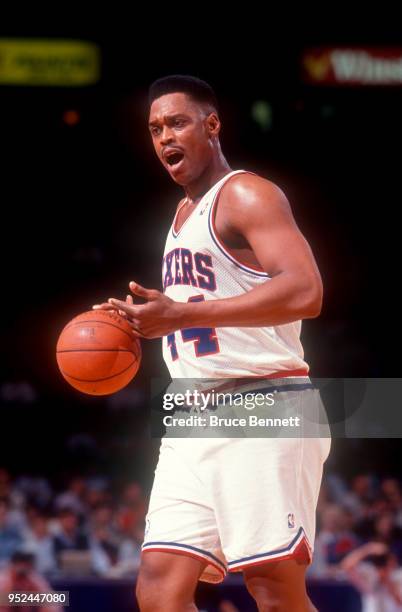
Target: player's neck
[(213, 173)]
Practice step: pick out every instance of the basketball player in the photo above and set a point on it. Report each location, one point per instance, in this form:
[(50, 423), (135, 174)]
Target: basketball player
[(238, 277)]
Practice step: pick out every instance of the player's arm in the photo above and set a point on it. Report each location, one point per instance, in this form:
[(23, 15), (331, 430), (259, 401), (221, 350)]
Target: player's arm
[(357, 555), (360, 576), (257, 210)]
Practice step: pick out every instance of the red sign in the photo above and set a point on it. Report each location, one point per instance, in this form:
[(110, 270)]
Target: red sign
[(357, 66)]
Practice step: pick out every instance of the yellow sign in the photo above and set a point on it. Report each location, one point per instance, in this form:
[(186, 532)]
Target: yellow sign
[(62, 63)]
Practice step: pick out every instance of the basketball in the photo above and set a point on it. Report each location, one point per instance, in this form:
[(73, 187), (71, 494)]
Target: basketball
[(97, 353)]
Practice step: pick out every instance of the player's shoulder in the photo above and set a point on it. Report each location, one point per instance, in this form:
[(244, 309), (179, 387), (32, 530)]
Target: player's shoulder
[(251, 181), (249, 190)]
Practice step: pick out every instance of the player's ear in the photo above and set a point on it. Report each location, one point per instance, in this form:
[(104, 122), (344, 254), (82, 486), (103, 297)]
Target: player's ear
[(213, 124)]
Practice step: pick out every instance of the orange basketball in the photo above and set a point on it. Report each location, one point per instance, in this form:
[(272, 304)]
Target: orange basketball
[(97, 352)]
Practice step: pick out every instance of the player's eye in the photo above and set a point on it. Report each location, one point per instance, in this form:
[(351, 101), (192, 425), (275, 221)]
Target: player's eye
[(155, 130)]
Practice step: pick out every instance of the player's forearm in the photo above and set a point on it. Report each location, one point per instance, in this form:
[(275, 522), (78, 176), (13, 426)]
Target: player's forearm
[(280, 300), (355, 557)]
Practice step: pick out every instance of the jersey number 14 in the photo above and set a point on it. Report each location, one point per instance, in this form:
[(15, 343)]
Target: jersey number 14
[(204, 338)]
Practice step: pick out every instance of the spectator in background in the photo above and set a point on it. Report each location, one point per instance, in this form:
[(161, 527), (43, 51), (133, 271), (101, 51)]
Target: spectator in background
[(386, 531), (96, 493), (132, 510), (19, 575), (7, 490), (334, 489), (115, 553), (73, 497), (391, 489), (39, 541), (16, 499), (374, 571), (130, 522), (333, 542), (34, 490), (102, 518), (70, 535), (104, 540), (10, 536), (360, 496)]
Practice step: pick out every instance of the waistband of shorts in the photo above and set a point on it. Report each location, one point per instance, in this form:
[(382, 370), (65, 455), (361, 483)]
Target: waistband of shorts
[(257, 384), (244, 387)]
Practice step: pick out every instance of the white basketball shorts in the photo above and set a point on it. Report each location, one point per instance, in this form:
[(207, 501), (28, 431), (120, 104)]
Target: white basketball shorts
[(236, 502)]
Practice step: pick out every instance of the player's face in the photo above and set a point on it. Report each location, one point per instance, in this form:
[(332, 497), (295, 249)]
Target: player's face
[(182, 136)]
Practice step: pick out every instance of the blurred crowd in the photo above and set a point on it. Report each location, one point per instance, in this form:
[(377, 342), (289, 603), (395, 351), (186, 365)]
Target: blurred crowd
[(359, 538), (367, 509), (82, 530), (90, 528)]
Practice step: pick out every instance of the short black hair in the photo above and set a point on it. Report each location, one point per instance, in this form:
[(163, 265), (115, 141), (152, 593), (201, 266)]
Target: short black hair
[(198, 89)]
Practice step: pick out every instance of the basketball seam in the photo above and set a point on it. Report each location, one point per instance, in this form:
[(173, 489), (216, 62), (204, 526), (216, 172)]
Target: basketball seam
[(97, 350), (99, 321), (136, 351), (98, 379)]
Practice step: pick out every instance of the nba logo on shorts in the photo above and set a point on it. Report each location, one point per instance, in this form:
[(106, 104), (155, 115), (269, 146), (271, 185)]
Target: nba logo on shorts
[(291, 520)]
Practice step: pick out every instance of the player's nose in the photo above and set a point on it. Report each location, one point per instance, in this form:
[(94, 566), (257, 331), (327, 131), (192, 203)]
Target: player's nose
[(166, 136)]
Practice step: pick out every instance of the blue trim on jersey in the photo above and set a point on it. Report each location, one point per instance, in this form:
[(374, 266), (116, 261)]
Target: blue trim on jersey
[(272, 552), (232, 259), (199, 550)]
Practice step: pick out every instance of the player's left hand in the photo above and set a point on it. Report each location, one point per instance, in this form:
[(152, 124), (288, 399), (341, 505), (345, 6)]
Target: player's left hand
[(158, 317)]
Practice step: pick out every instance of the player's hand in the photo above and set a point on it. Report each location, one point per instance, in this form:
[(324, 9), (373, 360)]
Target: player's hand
[(129, 300), (158, 317)]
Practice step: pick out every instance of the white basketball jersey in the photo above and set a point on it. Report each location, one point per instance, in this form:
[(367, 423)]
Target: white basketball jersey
[(197, 266)]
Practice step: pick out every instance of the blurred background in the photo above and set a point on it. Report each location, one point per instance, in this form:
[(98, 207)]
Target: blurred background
[(86, 206)]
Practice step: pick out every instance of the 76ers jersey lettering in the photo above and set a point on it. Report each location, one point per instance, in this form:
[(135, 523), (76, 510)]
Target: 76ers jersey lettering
[(197, 266), (182, 267)]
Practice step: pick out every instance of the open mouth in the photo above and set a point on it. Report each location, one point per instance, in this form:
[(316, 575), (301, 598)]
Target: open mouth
[(174, 158)]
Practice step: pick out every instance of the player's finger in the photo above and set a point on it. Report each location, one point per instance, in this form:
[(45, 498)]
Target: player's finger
[(129, 300), (141, 291), (120, 305), (138, 334), (104, 306)]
